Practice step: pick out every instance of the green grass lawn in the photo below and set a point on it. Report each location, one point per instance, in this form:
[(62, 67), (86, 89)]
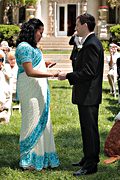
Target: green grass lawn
[(67, 135), (56, 52)]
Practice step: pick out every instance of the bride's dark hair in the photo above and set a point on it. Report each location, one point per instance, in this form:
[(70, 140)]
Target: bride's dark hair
[(27, 33)]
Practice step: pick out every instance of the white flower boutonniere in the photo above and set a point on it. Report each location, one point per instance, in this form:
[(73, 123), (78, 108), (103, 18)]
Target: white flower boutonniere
[(80, 46)]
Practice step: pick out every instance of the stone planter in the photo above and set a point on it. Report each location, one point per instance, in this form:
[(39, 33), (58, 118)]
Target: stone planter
[(30, 12)]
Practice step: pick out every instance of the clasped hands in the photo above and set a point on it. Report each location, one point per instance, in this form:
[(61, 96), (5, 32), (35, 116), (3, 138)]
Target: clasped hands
[(61, 75)]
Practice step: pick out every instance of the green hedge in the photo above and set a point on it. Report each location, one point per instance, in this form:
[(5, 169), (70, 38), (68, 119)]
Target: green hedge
[(115, 33), (115, 37), (9, 33), (105, 44)]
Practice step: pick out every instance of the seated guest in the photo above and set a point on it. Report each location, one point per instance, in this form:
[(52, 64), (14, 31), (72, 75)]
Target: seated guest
[(14, 69), (2, 54), (112, 142), (5, 91), (5, 47)]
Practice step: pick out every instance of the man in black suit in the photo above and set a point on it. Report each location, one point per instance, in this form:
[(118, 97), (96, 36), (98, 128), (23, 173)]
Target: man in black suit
[(87, 91)]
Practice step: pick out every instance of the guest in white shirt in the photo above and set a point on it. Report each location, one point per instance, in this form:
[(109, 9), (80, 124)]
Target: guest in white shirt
[(14, 69), (5, 48), (112, 74), (5, 90)]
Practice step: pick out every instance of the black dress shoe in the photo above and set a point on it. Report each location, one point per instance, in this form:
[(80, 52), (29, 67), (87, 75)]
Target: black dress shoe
[(80, 163), (83, 171)]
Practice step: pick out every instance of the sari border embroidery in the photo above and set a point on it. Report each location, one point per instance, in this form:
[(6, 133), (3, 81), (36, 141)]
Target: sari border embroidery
[(39, 162)]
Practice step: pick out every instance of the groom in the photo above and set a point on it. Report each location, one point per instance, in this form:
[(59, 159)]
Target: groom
[(87, 91)]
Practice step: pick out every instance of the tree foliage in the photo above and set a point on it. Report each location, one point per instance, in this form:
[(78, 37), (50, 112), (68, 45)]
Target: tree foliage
[(21, 2), (114, 3), (115, 32)]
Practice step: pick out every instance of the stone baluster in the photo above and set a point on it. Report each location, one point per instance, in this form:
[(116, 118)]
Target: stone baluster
[(51, 21)]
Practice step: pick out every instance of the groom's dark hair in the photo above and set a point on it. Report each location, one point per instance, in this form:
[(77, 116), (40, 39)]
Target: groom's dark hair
[(88, 19)]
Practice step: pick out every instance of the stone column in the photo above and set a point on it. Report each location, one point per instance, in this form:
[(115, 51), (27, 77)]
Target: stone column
[(55, 23), (102, 22), (78, 5), (84, 6), (93, 9), (16, 14), (51, 20), (5, 16), (38, 10)]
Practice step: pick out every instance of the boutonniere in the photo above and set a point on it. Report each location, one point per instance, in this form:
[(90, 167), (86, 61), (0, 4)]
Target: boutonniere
[(80, 46)]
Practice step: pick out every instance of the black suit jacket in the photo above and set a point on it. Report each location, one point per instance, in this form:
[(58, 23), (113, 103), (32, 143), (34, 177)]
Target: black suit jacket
[(88, 74)]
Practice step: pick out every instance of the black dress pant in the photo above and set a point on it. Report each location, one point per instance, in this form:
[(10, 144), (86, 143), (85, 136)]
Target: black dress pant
[(90, 135)]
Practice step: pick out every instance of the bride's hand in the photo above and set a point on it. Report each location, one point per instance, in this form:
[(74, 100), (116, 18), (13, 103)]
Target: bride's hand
[(56, 74)]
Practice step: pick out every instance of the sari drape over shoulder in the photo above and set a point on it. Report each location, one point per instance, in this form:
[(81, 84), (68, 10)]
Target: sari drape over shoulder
[(37, 147)]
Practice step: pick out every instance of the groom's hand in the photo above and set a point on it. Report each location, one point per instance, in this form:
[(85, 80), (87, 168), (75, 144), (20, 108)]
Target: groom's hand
[(62, 76)]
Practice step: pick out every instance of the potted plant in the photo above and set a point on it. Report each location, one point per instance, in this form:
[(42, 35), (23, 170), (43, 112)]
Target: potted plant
[(30, 8), (25, 2), (30, 2)]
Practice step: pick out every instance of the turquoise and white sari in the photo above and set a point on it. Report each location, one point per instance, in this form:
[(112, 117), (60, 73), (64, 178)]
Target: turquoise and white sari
[(37, 147)]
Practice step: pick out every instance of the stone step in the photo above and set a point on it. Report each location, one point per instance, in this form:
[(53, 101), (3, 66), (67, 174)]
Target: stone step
[(57, 57), (57, 48), (55, 43), (54, 39)]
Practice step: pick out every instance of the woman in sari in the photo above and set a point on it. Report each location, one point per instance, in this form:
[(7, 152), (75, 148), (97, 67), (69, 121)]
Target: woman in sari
[(37, 147)]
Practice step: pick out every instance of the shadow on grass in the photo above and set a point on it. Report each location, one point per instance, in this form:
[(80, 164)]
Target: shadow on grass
[(69, 149), (112, 103), (106, 91), (114, 107), (9, 151), (61, 87)]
